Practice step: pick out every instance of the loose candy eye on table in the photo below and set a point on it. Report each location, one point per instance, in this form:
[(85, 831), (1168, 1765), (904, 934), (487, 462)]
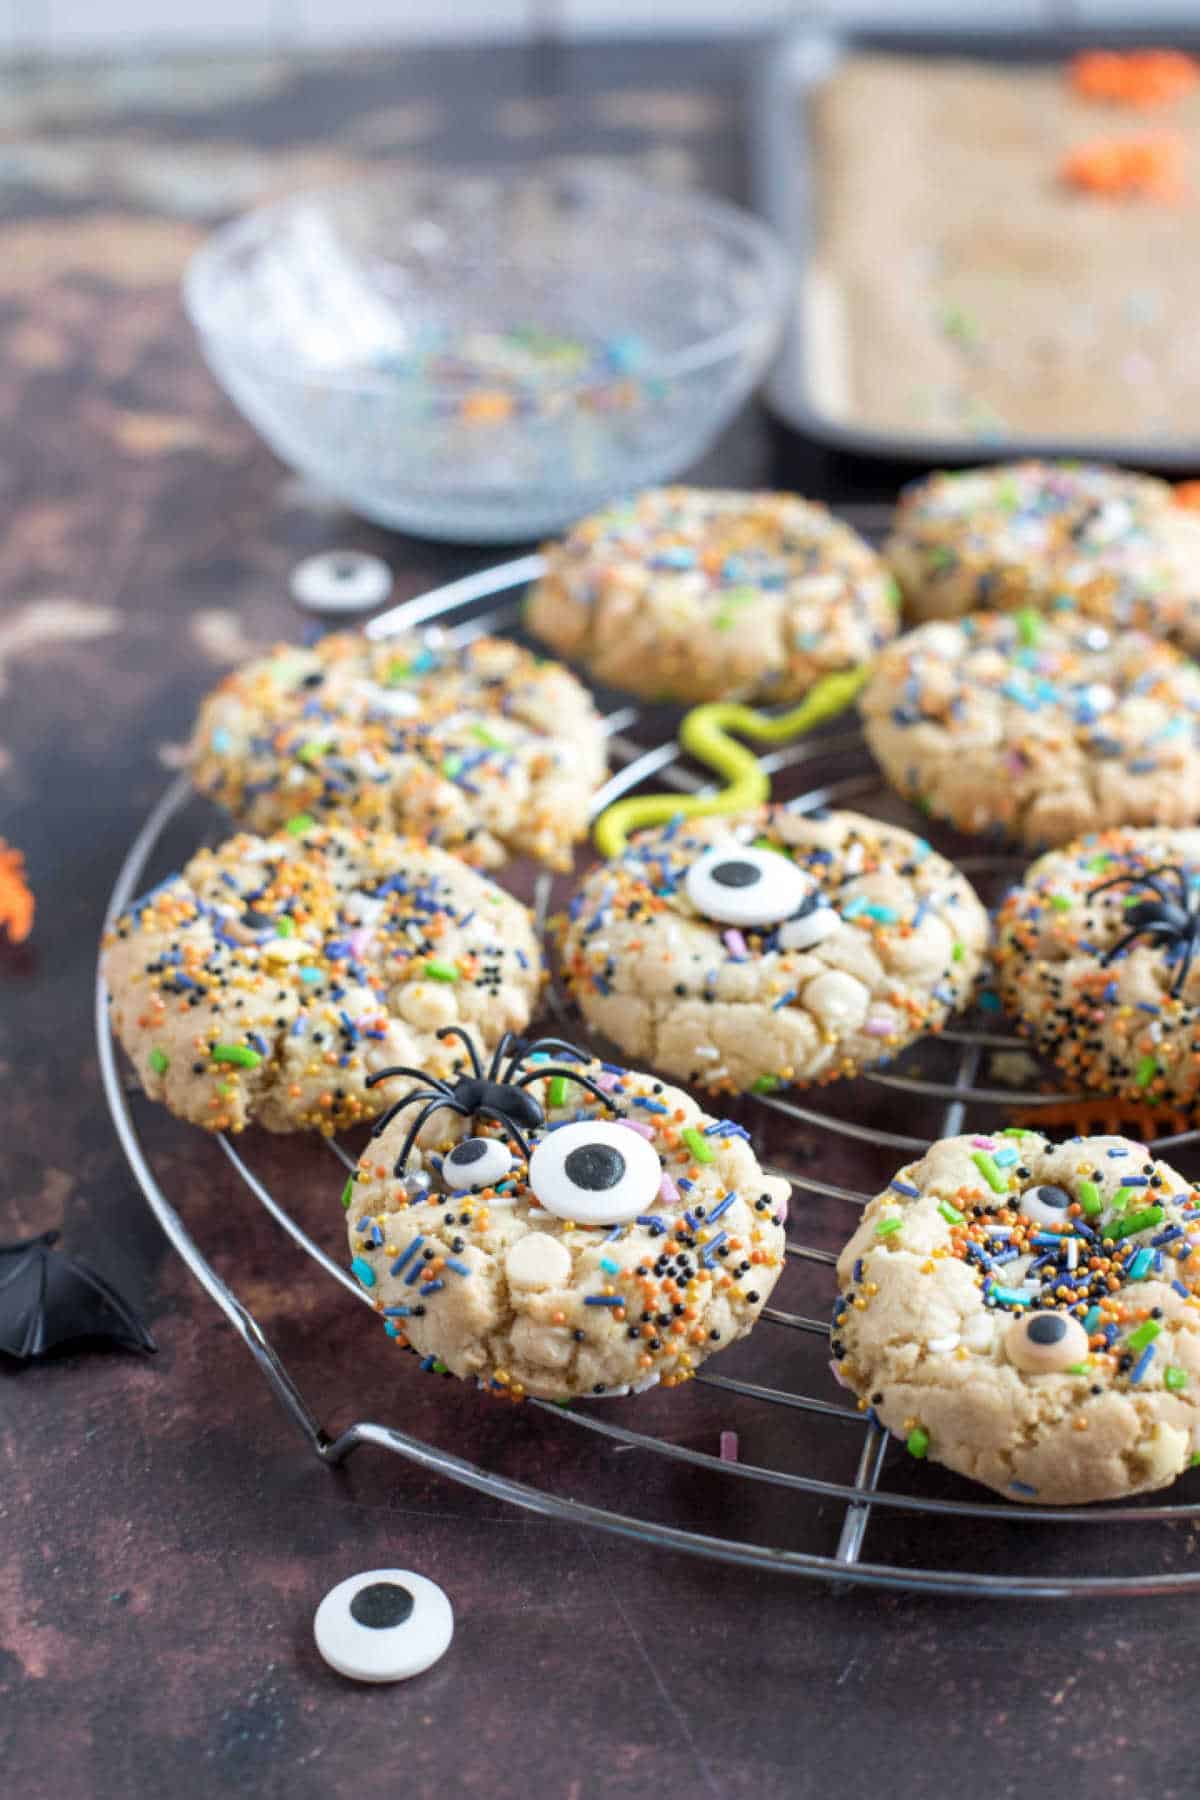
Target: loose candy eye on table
[(384, 1625), (340, 581)]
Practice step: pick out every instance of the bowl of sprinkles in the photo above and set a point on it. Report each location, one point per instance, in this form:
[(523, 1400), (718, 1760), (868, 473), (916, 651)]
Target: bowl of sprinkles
[(487, 355)]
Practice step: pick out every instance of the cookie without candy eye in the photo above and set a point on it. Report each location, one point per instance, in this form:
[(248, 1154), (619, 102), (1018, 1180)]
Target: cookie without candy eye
[(1041, 535), (482, 748), (1037, 729), (698, 594), (1026, 1313), (274, 976), (773, 948), (639, 1236)]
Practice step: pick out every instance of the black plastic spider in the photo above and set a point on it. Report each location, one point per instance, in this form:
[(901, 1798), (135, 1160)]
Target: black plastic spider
[(492, 1095), (1168, 919)]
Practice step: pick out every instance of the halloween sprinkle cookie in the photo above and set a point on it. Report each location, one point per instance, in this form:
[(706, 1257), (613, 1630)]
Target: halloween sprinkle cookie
[(269, 979), (1035, 729), (773, 948), (692, 594), (559, 1227), (483, 749), (1028, 1314), (1096, 958), (1048, 535)]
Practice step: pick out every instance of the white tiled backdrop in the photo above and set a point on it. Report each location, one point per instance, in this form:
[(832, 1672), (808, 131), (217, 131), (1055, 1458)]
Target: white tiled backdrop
[(64, 27)]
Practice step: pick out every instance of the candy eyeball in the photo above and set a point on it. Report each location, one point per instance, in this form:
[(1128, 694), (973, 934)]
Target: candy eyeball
[(340, 581), (812, 924), (595, 1173), (1045, 1205), (475, 1162), (383, 1626), (1043, 1343), (739, 885)]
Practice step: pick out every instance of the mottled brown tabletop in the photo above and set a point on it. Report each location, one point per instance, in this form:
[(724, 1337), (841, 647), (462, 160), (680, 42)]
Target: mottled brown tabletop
[(166, 1533)]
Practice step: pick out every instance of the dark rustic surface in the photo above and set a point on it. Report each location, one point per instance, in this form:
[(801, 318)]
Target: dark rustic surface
[(165, 1535)]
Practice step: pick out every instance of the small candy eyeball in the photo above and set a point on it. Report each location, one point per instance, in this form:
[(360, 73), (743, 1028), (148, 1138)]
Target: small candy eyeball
[(1045, 1204), (475, 1162), (383, 1626), (340, 581), (1042, 1343), (739, 885), (812, 924), (595, 1173)]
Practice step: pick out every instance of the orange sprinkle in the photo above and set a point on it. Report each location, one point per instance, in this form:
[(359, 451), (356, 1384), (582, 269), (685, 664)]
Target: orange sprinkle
[(16, 896), (1187, 493), (1136, 78), (1150, 167)]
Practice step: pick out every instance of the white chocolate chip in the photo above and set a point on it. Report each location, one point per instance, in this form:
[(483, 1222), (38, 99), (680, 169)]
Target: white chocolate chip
[(538, 1261), (837, 1000)]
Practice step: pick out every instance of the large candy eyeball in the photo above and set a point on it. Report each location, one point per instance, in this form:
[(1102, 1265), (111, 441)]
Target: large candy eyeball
[(1045, 1205), (595, 1173), (741, 886), (475, 1162), (1041, 1343), (383, 1626), (340, 581), (815, 921)]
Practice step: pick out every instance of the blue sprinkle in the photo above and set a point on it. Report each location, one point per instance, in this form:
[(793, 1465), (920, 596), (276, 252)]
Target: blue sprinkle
[(363, 1271), (397, 1312), (603, 1300), (1022, 1487), (722, 1207), (904, 1187), (406, 1256), (460, 1268), (1141, 1365), (432, 1287)]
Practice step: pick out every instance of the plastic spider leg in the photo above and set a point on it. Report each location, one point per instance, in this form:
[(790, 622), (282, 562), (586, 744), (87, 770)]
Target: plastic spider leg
[(514, 1131), (1146, 931), (543, 1043), (432, 1081), (435, 1105), (381, 1124), (449, 1031), (583, 1081), (1185, 961), (501, 1051)]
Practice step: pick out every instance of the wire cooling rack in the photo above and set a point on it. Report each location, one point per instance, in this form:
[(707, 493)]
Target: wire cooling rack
[(813, 1487)]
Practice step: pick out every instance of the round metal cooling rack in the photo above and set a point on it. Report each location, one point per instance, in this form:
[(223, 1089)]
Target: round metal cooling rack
[(928, 1530)]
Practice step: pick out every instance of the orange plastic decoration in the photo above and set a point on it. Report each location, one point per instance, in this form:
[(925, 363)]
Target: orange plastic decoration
[(16, 898)]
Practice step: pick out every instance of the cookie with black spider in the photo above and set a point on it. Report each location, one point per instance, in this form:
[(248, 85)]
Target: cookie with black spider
[(546, 1224), (1096, 957)]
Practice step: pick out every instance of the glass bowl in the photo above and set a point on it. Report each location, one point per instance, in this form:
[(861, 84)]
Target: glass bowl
[(488, 355)]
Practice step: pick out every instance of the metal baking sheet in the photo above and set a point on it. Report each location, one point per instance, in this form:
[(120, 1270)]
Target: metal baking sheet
[(787, 77)]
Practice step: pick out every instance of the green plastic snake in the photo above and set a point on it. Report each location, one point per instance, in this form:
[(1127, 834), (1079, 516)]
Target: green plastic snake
[(705, 734)]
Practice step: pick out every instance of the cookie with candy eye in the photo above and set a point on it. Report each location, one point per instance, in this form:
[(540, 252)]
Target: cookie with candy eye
[(1097, 959), (1043, 535), (1037, 729), (626, 1236), (700, 594), (772, 948), (273, 976), (1027, 1314), (481, 748)]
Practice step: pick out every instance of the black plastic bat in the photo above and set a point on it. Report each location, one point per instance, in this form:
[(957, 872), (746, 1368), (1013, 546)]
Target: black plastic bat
[(48, 1299)]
